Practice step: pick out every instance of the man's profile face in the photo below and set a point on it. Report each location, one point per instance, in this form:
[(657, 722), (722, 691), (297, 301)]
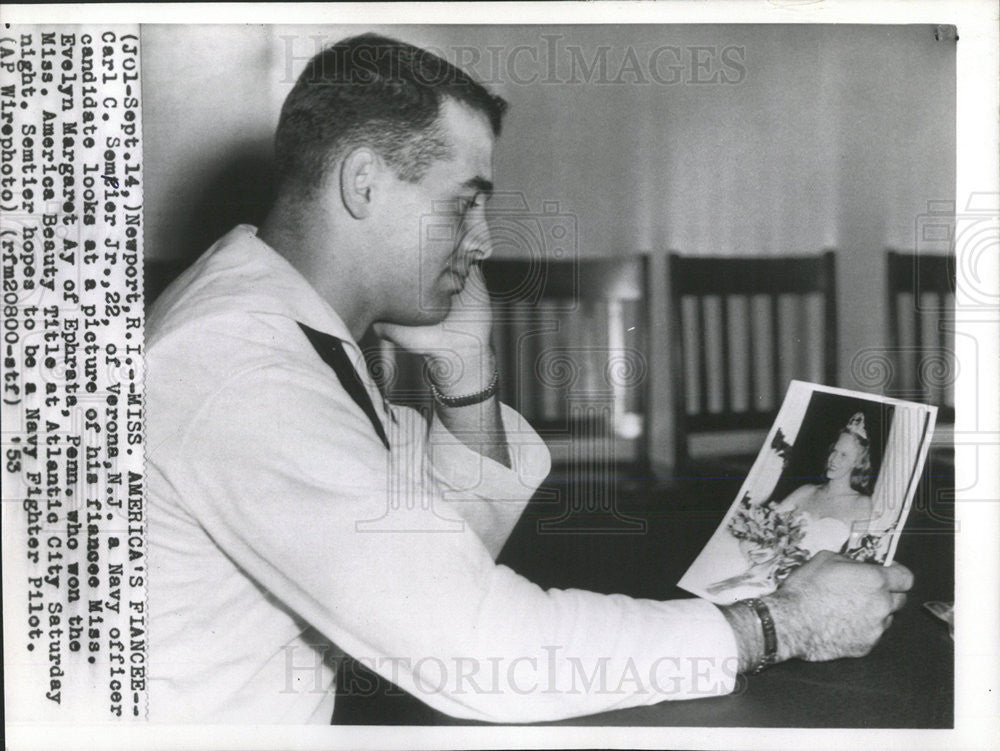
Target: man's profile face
[(436, 228)]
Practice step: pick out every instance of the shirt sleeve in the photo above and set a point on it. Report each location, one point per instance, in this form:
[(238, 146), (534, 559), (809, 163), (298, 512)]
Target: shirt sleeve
[(359, 543), (487, 495)]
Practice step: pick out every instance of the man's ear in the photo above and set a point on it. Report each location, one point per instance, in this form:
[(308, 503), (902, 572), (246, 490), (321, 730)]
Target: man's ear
[(357, 179)]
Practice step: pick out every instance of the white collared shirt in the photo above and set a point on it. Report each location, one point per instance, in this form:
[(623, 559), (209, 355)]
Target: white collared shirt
[(280, 526)]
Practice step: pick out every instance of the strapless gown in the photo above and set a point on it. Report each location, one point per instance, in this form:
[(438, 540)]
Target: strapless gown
[(824, 533)]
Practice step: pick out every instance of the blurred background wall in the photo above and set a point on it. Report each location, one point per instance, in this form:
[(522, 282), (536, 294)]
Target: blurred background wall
[(735, 139)]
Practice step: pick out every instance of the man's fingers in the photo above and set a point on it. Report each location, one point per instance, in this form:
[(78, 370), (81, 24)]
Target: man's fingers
[(898, 577), (824, 555), (383, 331)]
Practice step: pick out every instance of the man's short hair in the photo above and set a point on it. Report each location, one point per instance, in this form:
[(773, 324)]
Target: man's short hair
[(376, 91)]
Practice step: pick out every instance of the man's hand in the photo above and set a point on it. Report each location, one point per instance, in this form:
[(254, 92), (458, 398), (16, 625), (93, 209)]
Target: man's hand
[(835, 607), (458, 348)]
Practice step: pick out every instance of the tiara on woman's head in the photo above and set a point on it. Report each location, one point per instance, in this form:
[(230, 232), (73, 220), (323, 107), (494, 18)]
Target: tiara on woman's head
[(856, 426)]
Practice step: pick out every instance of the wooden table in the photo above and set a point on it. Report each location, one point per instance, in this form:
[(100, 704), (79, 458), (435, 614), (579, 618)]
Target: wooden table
[(905, 682)]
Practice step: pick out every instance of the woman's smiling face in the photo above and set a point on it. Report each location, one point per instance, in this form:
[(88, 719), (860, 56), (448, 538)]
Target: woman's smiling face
[(843, 457)]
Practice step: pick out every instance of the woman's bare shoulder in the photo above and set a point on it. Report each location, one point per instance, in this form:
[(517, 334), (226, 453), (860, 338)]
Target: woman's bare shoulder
[(864, 504), (797, 496)]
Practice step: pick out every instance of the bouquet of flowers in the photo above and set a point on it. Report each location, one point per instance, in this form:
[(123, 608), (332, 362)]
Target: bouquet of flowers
[(771, 539)]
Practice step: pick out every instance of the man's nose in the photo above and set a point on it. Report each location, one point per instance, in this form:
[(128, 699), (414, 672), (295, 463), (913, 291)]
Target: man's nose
[(477, 241)]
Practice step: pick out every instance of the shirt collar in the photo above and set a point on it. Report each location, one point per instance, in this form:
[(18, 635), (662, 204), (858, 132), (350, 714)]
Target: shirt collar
[(241, 271), (283, 289), (288, 291)]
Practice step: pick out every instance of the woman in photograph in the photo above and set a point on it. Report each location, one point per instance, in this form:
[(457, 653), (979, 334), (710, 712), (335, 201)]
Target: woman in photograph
[(832, 508), (777, 538)]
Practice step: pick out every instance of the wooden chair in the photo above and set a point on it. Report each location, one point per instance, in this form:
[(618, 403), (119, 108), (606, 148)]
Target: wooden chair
[(921, 295), (572, 339), (742, 328)]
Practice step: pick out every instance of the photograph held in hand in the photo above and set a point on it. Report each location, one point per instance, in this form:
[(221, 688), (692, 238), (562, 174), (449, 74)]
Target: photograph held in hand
[(858, 492), (853, 490)]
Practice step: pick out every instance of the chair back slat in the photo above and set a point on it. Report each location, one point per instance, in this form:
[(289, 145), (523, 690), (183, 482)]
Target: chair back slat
[(724, 336), (831, 341), (702, 357), (751, 364), (775, 347)]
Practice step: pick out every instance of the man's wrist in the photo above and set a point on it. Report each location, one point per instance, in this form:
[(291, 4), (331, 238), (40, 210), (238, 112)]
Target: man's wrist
[(749, 637), (787, 619), (456, 374), (763, 613), (759, 626), (477, 422), (470, 399)]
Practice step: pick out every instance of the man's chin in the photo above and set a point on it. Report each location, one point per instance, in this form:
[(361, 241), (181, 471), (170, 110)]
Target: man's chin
[(434, 307), (429, 315)]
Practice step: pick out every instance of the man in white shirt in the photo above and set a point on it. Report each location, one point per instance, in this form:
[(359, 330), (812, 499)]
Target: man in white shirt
[(295, 516)]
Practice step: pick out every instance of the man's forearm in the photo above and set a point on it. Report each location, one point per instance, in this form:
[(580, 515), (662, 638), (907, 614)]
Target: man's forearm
[(479, 427)]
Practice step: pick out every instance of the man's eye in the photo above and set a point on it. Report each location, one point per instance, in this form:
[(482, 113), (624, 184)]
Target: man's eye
[(465, 204)]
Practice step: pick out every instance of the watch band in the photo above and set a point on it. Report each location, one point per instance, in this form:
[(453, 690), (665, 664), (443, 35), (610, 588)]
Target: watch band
[(468, 399), (770, 655)]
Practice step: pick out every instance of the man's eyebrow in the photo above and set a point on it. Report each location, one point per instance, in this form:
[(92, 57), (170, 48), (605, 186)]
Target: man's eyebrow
[(480, 184)]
